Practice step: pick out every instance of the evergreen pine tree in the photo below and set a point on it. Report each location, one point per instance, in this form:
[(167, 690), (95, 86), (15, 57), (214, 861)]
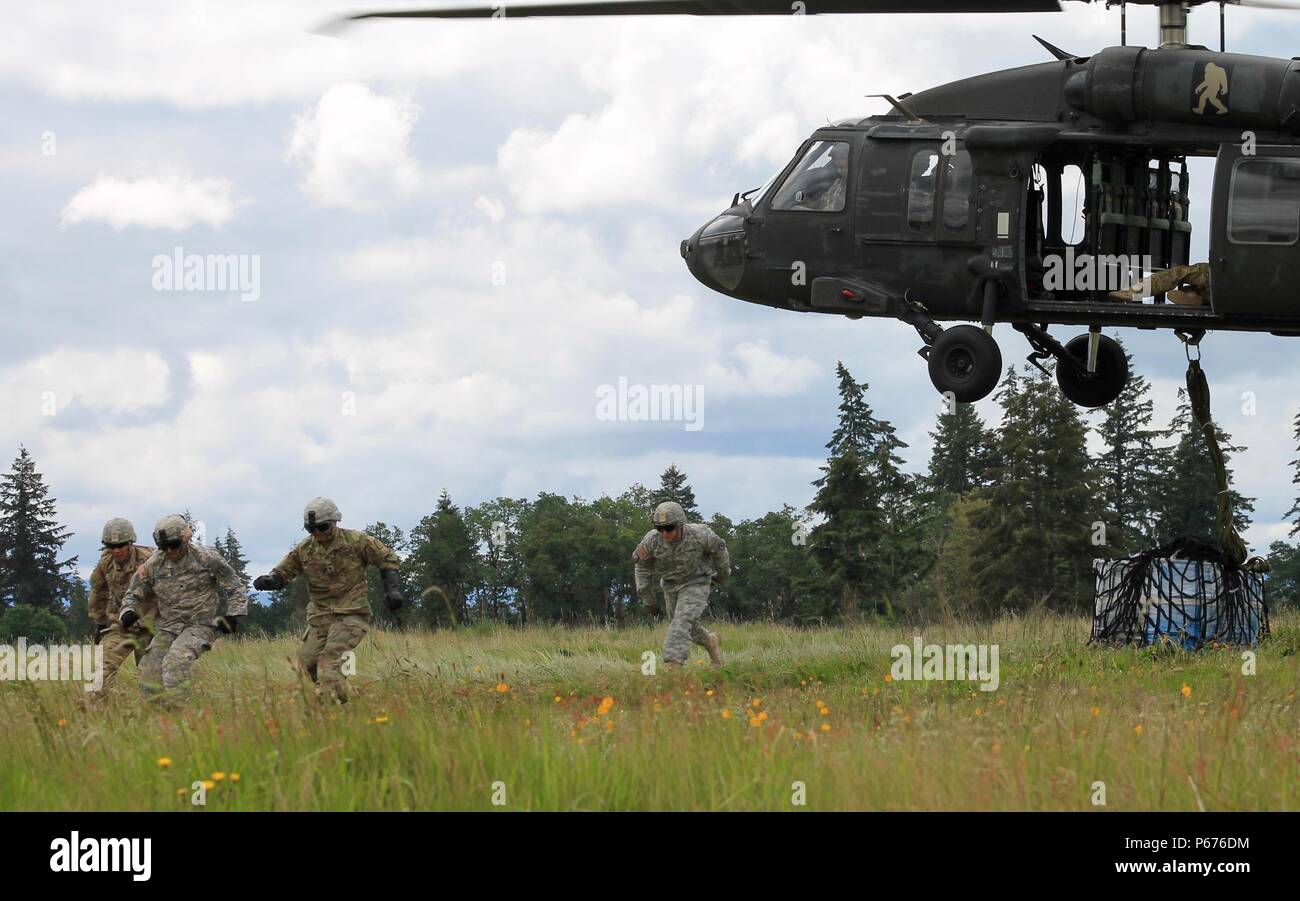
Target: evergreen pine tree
[(843, 543), (1284, 574), (443, 558), (1294, 513), (870, 542), (1036, 530), (900, 545), (857, 424), (1188, 496), (231, 551), (31, 541), (673, 486), (1131, 464), (961, 455)]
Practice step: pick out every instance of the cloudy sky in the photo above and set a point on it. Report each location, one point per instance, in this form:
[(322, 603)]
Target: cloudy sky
[(461, 231)]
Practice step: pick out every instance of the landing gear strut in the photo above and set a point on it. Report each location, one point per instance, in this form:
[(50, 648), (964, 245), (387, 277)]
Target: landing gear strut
[(1091, 369), (964, 359)]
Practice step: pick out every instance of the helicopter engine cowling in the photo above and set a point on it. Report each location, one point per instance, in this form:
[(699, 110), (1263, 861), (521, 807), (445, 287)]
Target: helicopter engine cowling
[(1195, 87)]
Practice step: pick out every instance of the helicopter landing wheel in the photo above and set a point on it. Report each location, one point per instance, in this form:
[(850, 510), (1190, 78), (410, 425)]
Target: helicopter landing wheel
[(1101, 387), (965, 360)]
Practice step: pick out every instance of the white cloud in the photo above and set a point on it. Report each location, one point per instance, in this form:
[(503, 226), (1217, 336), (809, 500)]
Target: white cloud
[(173, 201), (491, 207), (353, 148), (116, 382), (754, 369)]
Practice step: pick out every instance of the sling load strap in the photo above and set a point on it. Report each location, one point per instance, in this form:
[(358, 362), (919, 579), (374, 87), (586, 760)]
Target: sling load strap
[(1198, 391)]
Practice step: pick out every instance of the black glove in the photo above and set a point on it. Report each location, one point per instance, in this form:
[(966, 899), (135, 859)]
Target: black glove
[(270, 582), (128, 618), (102, 629), (226, 624), (392, 590)]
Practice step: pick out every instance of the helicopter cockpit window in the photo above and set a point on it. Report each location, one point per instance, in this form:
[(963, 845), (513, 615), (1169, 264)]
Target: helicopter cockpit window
[(818, 183), (956, 192), (920, 190), (1264, 206)]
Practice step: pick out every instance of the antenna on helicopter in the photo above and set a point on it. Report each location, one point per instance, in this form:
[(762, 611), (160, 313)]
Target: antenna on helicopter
[(912, 118), (1054, 50)]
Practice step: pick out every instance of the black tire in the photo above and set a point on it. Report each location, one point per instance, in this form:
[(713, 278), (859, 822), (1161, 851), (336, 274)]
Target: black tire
[(1105, 384), (965, 360)]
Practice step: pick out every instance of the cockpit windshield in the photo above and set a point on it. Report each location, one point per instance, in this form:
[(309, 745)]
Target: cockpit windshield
[(754, 195), (818, 182)]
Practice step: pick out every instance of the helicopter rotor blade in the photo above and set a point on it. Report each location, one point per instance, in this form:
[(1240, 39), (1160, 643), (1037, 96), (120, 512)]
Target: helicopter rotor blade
[(704, 8), (1266, 4)]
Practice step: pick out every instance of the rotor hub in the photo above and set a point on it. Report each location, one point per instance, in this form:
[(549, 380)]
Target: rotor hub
[(1173, 25)]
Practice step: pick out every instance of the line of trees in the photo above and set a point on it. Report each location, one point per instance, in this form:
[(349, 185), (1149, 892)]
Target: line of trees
[(1002, 518)]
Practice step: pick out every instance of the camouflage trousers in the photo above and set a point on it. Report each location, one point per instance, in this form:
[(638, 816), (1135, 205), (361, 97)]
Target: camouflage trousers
[(169, 662), (118, 646), (328, 638), (685, 605)]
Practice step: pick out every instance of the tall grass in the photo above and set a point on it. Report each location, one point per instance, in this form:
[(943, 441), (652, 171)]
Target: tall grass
[(454, 720)]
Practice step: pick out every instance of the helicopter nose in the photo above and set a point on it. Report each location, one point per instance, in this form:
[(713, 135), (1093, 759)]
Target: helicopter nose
[(715, 254)]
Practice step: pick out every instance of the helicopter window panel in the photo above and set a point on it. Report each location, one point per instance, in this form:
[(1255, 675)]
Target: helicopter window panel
[(1074, 225), (957, 191), (1264, 202), (755, 195), (920, 190), (1040, 188), (884, 176), (818, 183)]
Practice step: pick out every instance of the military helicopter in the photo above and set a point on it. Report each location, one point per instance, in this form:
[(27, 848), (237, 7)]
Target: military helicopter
[(950, 207)]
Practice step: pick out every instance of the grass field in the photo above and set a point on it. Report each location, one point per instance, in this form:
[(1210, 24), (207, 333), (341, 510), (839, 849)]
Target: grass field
[(563, 719)]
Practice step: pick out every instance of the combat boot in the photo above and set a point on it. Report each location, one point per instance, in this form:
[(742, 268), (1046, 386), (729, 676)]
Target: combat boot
[(714, 647)]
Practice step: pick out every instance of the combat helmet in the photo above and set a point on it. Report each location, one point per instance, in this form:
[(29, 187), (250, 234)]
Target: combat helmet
[(318, 510), (118, 531), (171, 528), (669, 513)]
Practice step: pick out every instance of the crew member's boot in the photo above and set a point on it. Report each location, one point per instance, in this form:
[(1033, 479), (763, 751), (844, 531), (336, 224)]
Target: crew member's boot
[(714, 647)]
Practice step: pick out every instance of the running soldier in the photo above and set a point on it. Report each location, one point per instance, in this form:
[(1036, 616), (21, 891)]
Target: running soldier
[(187, 580), (108, 584), (687, 558), (334, 560)]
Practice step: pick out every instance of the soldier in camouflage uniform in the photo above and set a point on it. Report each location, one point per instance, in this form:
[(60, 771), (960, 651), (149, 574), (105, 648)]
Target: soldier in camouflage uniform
[(687, 558), (186, 580), (108, 584), (334, 560)]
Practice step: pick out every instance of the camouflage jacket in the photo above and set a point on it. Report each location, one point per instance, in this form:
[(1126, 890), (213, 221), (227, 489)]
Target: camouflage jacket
[(336, 570), (188, 589), (108, 584), (700, 555)]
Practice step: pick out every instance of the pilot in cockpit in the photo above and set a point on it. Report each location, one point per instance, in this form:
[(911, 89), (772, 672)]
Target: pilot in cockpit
[(831, 196)]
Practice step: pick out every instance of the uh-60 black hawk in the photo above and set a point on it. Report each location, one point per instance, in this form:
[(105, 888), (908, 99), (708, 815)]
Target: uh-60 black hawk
[(951, 206)]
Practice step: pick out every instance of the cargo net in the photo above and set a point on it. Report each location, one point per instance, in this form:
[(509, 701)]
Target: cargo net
[(1187, 593)]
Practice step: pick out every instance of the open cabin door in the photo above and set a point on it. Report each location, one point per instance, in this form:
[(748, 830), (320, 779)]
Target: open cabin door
[(1254, 254)]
